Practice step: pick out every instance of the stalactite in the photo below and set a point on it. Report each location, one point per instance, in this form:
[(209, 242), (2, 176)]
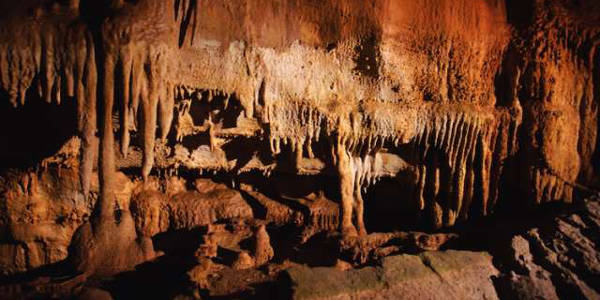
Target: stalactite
[(47, 66), (166, 109), (421, 187), (149, 118), (86, 95), (460, 166), (450, 149), (126, 65), (137, 85), (484, 159), (188, 9), (470, 176)]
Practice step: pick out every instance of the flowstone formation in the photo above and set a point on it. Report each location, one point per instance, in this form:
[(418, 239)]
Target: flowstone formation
[(239, 134)]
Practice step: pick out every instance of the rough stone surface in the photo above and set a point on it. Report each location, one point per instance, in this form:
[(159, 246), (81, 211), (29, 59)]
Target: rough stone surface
[(558, 260), (430, 275), (94, 294), (263, 252)]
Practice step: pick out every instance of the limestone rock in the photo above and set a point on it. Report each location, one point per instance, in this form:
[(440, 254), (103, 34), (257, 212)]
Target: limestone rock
[(557, 259), (243, 261), (454, 274), (263, 252), (94, 294)]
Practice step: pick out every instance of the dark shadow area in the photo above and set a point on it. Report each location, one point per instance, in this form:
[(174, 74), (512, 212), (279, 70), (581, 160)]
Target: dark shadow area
[(34, 131), (162, 278), (519, 12), (57, 271), (320, 250), (389, 206), (368, 56), (179, 242), (596, 155), (485, 234)]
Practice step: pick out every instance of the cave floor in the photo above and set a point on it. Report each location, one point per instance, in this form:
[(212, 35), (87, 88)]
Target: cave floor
[(549, 253)]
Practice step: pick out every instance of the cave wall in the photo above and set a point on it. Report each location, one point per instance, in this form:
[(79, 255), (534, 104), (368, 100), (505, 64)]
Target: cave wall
[(465, 103)]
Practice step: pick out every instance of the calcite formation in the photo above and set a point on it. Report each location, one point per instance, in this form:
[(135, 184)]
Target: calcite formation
[(465, 106)]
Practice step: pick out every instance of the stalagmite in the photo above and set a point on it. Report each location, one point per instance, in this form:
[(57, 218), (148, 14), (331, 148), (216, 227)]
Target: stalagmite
[(346, 183), (359, 207), (263, 251)]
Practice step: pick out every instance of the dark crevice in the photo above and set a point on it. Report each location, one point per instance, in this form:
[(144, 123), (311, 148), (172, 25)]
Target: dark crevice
[(35, 131), (596, 103), (368, 56)]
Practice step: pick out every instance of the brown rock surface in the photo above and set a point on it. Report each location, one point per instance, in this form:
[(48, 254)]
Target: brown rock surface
[(430, 275), (558, 259), (263, 252)]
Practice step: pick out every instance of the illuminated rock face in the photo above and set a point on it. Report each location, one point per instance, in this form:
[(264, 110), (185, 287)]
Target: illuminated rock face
[(465, 103)]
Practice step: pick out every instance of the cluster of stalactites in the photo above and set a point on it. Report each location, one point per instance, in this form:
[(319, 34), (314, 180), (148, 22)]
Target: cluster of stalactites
[(211, 123), (296, 124), (301, 124), (458, 153), (59, 58), (59, 62), (141, 84), (460, 158)]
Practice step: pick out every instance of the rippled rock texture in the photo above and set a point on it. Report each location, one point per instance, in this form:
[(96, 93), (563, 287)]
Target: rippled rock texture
[(260, 124)]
